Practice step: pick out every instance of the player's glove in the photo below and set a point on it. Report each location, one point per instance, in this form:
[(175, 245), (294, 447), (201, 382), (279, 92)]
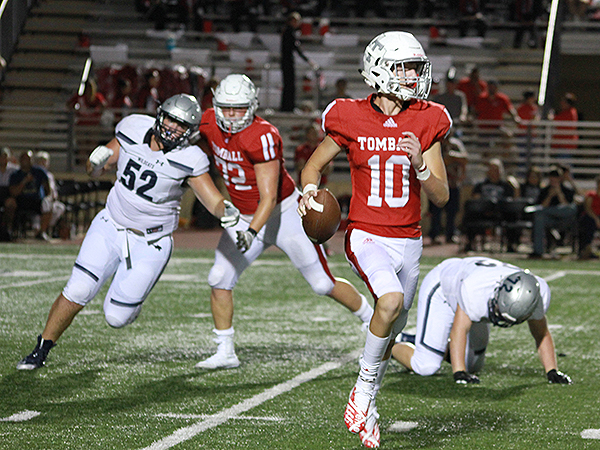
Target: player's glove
[(462, 377), (231, 216), (244, 239), (556, 377), (99, 157)]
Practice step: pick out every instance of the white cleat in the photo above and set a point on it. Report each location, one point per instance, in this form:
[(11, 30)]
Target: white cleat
[(219, 361), (369, 435)]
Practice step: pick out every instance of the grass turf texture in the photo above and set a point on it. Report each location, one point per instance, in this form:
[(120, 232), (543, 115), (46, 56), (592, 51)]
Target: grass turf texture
[(127, 389)]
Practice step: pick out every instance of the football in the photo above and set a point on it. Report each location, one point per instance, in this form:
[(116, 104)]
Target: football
[(322, 221)]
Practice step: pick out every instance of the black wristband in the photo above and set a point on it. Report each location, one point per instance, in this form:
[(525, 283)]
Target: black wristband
[(252, 231)]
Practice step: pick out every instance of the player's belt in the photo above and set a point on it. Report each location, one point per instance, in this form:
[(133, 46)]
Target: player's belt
[(134, 231)]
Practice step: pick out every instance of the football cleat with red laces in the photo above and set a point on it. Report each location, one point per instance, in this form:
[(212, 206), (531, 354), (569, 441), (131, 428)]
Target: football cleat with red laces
[(355, 415), (369, 435)]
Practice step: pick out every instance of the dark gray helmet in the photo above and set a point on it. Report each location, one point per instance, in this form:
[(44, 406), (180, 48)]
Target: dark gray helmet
[(514, 299), (183, 109)]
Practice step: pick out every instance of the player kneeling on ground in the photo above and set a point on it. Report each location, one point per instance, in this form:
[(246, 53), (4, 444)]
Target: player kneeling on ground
[(459, 300), (131, 237)]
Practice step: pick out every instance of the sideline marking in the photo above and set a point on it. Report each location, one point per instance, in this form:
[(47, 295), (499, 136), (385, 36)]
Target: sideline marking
[(183, 434), (590, 434), (21, 416)]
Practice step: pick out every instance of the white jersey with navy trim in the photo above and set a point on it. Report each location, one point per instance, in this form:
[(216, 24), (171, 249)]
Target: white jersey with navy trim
[(471, 282), (149, 186)]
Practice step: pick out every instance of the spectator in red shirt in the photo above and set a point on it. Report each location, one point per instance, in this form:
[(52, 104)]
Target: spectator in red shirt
[(473, 86), (90, 105), (314, 136), (528, 110), (568, 112), (493, 105), (589, 222), (149, 97)]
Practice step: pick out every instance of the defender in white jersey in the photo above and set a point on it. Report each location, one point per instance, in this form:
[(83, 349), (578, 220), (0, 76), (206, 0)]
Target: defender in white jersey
[(131, 237), (458, 302)]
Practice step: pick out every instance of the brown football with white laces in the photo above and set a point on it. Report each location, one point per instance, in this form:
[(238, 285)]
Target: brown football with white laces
[(322, 221)]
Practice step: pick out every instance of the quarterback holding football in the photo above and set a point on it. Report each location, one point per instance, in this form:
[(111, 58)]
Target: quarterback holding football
[(392, 140), (131, 238)]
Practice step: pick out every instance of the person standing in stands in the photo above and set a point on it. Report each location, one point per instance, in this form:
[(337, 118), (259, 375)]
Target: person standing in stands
[(290, 46)]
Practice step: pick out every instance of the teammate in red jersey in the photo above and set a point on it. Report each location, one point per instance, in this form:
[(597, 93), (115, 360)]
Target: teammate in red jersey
[(392, 140), (248, 153)]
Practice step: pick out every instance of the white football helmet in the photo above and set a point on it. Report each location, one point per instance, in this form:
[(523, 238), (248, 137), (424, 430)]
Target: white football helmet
[(384, 66), (181, 108), (235, 91), (514, 299)]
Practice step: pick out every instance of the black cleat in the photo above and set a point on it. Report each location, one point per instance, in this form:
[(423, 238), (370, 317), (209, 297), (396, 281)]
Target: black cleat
[(37, 357)]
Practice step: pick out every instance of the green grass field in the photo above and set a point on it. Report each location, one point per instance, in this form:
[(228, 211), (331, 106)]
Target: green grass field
[(137, 388)]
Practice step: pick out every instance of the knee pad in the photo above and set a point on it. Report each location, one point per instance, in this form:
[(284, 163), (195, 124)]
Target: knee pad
[(424, 370), (220, 278), (322, 286), (81, 287), (119, 315)]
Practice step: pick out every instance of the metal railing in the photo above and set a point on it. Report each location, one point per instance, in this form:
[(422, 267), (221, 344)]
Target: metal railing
[(543, 143)]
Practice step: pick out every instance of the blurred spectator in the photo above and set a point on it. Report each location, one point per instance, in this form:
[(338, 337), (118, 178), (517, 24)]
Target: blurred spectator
[(289, 46), (557, 210), (491, 192), (8, 205), (148, 97), (525, 12), (589, 222), (29, 186), (567, 138), (341, 84), (472, 86), (493, 105), (453, 99), (532, 186), (122, 100), (207, 93), (471, 15), (578, 9), (313, 137), (528, 109), (377, 6), (455, 157), (89, 106), (50, 201), (241, 9)]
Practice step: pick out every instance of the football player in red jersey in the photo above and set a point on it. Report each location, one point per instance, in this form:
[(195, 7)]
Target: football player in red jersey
[(392, 140), (248, 153)]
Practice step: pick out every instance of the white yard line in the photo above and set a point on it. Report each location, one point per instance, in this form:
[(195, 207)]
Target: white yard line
[(183, 434), (21, 416), (34, 282), (555, 276)]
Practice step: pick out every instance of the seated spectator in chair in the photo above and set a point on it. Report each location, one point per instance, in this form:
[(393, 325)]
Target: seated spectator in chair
[(557, 210), (589, 222), (494, 189), (29, 186), (455, 157), (51, 202), (8, 205), (532, 186)]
